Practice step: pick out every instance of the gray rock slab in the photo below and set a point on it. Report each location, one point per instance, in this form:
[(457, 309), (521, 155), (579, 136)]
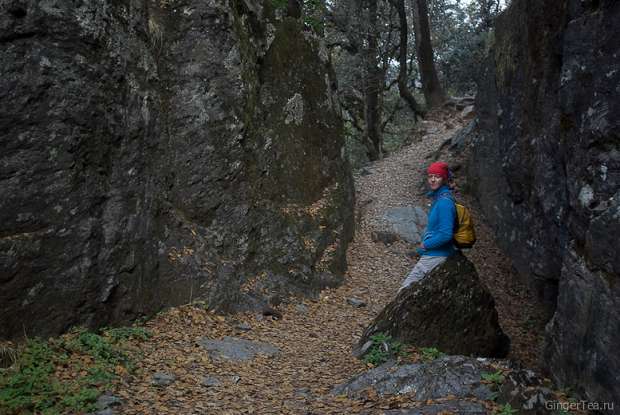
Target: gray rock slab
[(446, 407), (302, 308), (108, 401), (210, 381), (236, 349), (243, 327), (163, 379), (386, 238), (356, 302), (407, 222), (463, 136), (456, 376), (303, 392)]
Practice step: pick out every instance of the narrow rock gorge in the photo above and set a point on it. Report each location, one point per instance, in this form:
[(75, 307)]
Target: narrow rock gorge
[(155, 152), (159, 152), (546, 169)]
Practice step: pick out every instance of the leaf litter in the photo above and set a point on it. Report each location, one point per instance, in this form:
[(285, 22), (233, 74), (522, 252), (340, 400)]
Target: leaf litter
[(316, 340)]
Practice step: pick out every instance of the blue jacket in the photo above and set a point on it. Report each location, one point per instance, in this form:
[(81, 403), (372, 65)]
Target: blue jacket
[(440, 228)]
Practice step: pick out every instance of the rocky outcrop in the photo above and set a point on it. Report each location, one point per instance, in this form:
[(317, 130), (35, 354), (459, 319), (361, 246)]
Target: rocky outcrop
[(455, 381), (546, 169), (157, 152), (449, 309), (455, 376)]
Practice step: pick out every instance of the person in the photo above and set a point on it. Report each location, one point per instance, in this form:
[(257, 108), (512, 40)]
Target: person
[(436, 245)]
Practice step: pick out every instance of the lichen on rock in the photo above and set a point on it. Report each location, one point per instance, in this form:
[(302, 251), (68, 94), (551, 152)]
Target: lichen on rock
[(294, 110)]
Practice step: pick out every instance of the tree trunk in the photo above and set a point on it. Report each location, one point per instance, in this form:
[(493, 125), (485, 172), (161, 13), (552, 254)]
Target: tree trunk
[(486, 13), (373, 88), (293, 9), (404, 92), (433, 92)]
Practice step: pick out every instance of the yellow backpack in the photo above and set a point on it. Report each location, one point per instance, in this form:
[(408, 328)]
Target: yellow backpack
[(464, 233)]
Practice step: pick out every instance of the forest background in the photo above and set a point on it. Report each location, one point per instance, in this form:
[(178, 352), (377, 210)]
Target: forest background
[(393, 60)]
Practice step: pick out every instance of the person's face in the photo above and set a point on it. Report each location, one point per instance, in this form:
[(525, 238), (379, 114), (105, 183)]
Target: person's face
[(435, 181)]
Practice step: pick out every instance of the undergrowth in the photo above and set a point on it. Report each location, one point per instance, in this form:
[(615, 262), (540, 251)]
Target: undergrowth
[(383, 348), (431, 353), (66, 374)]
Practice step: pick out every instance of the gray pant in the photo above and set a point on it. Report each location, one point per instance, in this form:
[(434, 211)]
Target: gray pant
[(424, 266)]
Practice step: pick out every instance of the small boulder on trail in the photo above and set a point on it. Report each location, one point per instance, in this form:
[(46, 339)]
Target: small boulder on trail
[(236, 349), (449, 310), (407, 222)]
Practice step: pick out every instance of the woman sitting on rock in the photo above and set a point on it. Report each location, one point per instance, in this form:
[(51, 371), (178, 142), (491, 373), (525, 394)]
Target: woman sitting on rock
[(436, 245)]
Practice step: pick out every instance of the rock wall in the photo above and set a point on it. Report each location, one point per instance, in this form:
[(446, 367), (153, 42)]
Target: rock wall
[(546, 169), (156, 152)]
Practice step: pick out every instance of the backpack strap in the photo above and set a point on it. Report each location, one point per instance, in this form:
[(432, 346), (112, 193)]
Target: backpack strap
[(456, 213), (446, 196)]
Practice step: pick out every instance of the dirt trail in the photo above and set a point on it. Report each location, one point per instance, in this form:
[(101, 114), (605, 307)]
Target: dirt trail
[(315, 337)]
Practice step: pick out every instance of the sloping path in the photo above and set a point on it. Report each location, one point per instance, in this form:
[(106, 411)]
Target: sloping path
[(315, 337)]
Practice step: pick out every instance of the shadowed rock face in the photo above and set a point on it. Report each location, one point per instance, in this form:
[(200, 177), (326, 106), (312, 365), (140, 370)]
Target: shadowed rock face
[(450, 310), (546, 168), (156, 152)]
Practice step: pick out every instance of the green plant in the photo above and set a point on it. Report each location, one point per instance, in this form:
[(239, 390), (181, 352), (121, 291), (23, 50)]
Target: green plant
[(28, 384), (496, 378), (506, 410), (66, 374), (382, 349), (96, 346), (126, 333), (431, 353)]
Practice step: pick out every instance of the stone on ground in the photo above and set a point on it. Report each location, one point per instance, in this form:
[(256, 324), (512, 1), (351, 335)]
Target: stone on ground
[(163, 379), (210, 381), (236, 349), (450, 310), (407, 222), (356, 302)]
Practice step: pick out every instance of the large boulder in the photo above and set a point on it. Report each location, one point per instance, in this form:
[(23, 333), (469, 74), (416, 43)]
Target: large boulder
[(546, 170), (450, 310), (157, 152)]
